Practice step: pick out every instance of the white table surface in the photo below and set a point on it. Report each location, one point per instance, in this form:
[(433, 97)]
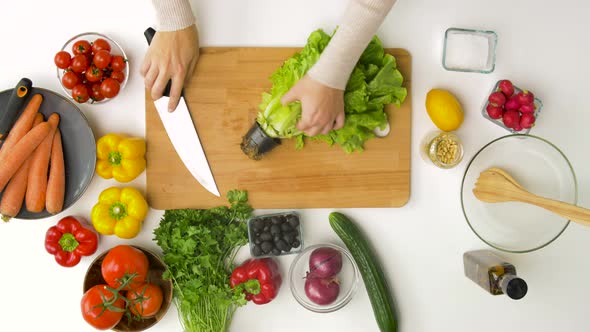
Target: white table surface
[(542, 45)]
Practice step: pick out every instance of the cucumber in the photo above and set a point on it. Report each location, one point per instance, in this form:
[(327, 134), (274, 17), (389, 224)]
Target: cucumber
[(373, 277)]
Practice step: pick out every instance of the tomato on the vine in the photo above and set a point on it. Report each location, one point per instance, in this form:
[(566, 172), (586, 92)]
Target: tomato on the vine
[(119, 76), (70, 79), (62, 59), (97, 312), (81, 47), (100, 44), (93, 74), (80, 93), (146, 300), (117, 63), (102, 59), (79, 63), (124, 260), (110, 87)]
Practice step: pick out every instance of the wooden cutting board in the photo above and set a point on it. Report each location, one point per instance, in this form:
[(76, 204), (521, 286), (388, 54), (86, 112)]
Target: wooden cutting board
[(223, 97)]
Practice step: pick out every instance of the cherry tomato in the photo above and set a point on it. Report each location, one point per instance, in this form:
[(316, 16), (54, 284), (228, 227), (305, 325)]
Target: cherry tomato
[(93, 74), (117, 63), (79, 63), (70, 79), (110, 87), (146, 300), (100, 44), (124, 260), (62, 59), (81, 47), (92, 304), (95, 92), (80, 93), (119, 76), (102, 59)]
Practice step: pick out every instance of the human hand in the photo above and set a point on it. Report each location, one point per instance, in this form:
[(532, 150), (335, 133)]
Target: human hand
[(171, 55), (322, 106)]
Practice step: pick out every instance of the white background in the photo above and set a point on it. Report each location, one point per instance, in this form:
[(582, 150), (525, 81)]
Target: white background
[(542, 45)]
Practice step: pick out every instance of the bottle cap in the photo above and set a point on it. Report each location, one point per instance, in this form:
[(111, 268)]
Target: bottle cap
[(516, 288)]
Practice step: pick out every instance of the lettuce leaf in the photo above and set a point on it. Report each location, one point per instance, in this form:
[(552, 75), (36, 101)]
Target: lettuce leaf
[(373, 83)]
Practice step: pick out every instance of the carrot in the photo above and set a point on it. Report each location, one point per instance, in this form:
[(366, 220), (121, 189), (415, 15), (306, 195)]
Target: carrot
[(11, 162), (14, 194), (22, 126), (56, 185), (37, 181)]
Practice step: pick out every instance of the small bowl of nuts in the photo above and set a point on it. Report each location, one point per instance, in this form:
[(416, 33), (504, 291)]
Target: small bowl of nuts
[(443, 149)]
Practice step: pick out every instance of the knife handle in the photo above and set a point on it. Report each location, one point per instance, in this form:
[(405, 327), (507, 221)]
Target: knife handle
[(149, 34), (9, 112)]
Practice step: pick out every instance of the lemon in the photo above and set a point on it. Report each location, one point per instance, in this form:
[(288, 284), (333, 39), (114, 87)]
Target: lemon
[(444, 109)]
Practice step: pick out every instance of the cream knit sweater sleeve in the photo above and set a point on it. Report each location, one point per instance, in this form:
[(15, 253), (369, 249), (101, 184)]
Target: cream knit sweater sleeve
[(173, 15), (357, 27), (359, 23)]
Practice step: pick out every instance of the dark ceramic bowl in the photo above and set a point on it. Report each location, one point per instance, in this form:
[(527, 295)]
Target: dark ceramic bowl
[(79, 146), (157, 267)]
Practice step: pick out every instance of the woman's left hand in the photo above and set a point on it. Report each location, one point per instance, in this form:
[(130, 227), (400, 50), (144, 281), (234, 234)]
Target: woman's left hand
[(322, 106)]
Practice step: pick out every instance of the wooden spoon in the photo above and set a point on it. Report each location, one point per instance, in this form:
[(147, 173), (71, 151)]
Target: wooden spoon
[(494, 186)]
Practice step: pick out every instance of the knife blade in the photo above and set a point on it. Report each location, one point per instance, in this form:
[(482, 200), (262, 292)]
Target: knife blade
[(9, 112), (183, 135)]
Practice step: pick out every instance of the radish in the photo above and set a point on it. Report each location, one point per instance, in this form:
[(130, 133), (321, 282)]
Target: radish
[(506, 87), (495, 112), (528, 108), (511, 119), (525, 97), (497, 98), (512, 104), (527, 120)]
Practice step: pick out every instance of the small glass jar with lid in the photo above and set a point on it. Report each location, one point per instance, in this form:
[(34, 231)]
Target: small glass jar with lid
[(443, 149)]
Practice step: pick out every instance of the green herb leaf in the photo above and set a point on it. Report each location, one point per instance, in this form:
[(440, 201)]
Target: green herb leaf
[(199, 248)]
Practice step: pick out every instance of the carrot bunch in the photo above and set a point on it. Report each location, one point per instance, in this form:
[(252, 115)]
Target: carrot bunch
[(32, 169)]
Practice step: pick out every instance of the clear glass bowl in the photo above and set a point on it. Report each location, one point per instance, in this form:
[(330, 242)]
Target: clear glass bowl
[(291, 234), (538, 107), (468, 50), (541, 168), (348, 278), (116, 49)]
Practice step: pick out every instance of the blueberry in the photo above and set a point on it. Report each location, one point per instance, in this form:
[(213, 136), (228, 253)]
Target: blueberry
[(288, 237), (275, 220), (282, 245), (293, 221), (275, 251), (286, 227), (256, 250), (266, 247), (266, 236), (276, 238), (295, 243), (257, 224), (275, 229), (257, 241), (266, 228)]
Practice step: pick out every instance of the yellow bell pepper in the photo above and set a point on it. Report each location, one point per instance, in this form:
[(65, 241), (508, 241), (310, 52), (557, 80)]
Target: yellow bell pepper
[(120, 157), (119, 211)]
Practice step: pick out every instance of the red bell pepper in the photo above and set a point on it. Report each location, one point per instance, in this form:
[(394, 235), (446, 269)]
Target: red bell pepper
[(69, 240), (258, 278)]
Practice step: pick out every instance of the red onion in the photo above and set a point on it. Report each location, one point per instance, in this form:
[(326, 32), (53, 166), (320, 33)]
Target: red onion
[(325, 262), (321, 291)]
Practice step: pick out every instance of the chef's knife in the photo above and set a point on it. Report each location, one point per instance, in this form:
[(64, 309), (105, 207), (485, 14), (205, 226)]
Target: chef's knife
[(10, 110), (183, 135)]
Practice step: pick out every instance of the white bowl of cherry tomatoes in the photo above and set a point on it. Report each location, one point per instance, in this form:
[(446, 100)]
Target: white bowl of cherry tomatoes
[(92, 68)]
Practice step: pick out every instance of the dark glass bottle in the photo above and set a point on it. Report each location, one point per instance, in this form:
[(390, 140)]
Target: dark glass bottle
[(493, 274)]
